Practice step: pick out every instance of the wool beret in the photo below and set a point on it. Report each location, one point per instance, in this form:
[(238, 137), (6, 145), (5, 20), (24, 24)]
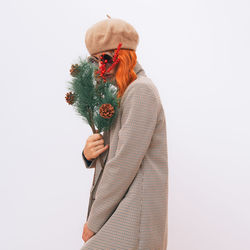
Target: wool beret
[(107, 34)]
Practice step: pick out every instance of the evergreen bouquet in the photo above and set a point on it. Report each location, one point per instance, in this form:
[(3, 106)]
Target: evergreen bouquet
[(93, 97)]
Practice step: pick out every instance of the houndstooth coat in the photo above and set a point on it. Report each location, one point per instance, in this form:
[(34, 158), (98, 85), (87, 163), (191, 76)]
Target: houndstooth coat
[(128, 204)]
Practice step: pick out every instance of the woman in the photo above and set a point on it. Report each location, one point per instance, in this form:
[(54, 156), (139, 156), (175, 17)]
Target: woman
[(128, 205)]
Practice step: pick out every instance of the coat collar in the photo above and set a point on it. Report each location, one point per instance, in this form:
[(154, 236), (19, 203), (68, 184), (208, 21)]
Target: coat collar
[(139, 70)]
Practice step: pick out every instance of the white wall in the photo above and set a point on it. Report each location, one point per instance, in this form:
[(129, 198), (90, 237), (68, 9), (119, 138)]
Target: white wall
[(197, 53)]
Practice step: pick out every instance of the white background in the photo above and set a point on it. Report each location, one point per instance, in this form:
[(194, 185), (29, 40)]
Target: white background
[(198, 55)]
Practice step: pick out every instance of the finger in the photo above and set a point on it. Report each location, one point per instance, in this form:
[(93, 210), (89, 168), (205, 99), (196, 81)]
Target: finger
[(92, 145), (96, 136), (84, 237), (97, 147), (88, 237), (98, 142), (102, 149)]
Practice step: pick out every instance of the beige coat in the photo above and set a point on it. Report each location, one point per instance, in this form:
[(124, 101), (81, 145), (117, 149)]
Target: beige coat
[(128, 205)]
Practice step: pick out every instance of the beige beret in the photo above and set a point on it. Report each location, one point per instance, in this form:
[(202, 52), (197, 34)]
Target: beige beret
[(107, 34)]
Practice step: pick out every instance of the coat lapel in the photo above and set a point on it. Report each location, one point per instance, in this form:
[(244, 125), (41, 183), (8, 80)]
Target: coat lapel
[(106, 137), (98, 168)]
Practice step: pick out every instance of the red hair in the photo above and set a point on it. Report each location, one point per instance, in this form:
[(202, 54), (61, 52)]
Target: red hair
[(125, 72)]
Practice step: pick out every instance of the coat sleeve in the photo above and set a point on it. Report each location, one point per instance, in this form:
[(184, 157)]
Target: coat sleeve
[(138, 121), (88, 164)]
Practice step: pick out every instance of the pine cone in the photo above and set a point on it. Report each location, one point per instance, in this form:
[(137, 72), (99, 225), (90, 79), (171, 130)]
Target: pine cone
[(70, 98), (74, 69), (106, 110)]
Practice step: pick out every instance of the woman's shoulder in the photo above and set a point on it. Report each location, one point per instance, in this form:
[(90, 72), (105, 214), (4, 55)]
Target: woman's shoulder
[(142, 86)]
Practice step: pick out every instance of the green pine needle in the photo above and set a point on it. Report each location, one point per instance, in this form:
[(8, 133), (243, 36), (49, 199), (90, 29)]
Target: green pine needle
[(89, 95)]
